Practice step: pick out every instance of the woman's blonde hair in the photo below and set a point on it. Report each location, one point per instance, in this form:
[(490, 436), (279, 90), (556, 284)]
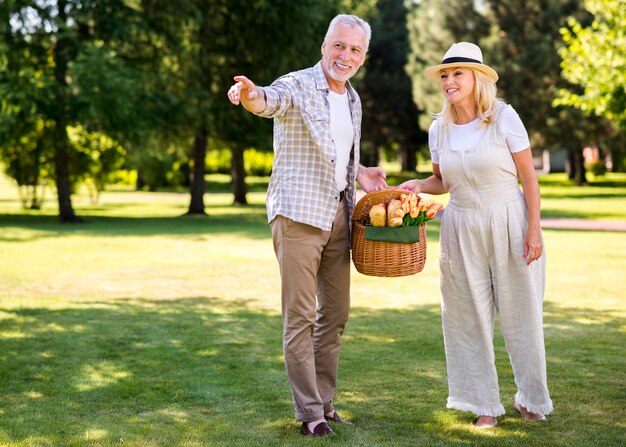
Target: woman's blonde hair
[(485, 96)]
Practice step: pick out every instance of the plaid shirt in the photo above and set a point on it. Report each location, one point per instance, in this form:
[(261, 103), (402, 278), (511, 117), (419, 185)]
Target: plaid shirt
[(302, 186)]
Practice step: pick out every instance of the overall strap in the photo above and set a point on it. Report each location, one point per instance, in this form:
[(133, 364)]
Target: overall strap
[(441, 139), (499, 108)]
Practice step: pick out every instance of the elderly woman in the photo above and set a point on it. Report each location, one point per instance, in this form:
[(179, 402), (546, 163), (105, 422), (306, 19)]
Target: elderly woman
[(491, 243)]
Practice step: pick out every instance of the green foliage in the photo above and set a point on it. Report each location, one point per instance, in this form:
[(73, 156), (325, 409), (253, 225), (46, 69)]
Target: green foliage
[(433, 26), (229, 45), (124, 177), (212, 41), (258, 163), (596, 168), (523, 48), (160, 166), (595, 59), (362, 8), (218, 161), (73, 63), (520, 41), (110, 92), (27, 155), (390, 117), (97, 158)]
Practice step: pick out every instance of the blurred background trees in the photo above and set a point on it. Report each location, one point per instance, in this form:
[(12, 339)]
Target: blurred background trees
[(67, 63), (390, 114), (95, 91)]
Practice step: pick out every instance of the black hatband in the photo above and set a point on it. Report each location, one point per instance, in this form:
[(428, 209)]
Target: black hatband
[(452, 60)]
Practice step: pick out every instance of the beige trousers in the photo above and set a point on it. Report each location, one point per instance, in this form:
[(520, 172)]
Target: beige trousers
[(483, 273), (315, 294)]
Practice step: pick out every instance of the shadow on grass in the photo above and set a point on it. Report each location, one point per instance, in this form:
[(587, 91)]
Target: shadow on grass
[(250, 225), (209, 372), (253, 225)]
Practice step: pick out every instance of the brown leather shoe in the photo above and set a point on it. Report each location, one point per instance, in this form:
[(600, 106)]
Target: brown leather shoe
[(336, 418), (321, 429)]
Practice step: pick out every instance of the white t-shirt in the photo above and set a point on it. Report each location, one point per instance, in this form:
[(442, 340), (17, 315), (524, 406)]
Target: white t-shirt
[(466, 136), (343, 135)]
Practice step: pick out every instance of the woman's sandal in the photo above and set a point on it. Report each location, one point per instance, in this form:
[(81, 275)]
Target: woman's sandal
[(529, 416)]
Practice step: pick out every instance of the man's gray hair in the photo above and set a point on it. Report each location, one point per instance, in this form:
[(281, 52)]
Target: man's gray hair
[(350, 21)]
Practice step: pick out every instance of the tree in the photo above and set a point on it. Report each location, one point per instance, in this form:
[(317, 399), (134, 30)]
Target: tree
[(99, 156), (525, 47), (390, 117), (595, 58), (219, 39), (25, 153), (433, 27), (75, 59), (520, 41)]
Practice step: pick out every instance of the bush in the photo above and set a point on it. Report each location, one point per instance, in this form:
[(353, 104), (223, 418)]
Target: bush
[(217, 161), (597, 167), (124, 177), (256, 162)]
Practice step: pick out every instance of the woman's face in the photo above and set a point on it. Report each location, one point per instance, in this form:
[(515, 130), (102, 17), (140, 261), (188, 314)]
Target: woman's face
[(458, 85)]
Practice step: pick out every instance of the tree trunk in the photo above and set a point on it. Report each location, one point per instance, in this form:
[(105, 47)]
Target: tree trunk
[(364, 155), (408, 158), (238, 174), (61, 144), (581, 172), (62, 180), (570, 164), (370, 154), (375, 157), (196, 205), (140, 182)]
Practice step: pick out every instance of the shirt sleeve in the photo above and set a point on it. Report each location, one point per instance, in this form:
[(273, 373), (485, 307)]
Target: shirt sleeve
[(432, 142), (514, 131), (278, 97)]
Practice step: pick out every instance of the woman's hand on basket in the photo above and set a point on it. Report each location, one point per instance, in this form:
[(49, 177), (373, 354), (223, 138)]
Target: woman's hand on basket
[(411, 185), (371, 179)]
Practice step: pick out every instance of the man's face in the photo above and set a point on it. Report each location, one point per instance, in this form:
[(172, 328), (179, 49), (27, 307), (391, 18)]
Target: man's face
[(343, 52)]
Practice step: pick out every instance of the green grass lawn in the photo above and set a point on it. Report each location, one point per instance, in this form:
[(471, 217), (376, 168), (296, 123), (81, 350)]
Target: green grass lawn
[(142, 328)]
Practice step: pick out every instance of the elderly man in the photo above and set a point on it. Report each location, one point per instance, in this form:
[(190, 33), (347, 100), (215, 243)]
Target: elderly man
[(311, 195)]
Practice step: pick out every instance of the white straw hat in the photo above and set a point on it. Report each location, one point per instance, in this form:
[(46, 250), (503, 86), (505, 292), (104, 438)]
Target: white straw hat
[(462, 54)]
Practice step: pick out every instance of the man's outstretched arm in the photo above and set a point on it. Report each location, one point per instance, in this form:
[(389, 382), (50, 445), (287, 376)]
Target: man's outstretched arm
[(249, 95)]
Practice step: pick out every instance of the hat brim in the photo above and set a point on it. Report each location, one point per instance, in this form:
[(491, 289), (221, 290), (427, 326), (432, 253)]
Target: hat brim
[(434, 71)]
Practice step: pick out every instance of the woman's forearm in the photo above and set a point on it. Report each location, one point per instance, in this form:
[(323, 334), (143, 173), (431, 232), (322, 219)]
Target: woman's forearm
[(431, 185)]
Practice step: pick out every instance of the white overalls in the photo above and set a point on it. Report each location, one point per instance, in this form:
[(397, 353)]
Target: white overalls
[(483, 271)]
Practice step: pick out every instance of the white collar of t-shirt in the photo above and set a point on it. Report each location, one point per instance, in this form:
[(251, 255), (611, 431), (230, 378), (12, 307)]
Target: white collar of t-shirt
[(466, 136)]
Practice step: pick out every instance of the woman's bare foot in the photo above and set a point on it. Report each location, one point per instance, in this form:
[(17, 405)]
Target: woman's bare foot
[(486, 422), (529, 416)]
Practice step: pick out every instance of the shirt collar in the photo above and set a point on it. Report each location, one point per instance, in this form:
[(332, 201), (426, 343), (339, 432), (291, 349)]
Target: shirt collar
[(322, 84)]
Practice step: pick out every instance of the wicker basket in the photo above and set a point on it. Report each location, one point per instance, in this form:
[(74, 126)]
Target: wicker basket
[(388, 259)]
